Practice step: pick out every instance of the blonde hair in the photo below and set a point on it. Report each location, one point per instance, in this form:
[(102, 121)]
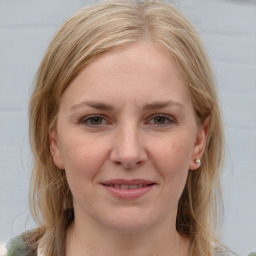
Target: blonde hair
[(89, 33)]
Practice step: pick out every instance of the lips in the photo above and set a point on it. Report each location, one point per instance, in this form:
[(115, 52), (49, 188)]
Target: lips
[(128, 189), (125, 186)]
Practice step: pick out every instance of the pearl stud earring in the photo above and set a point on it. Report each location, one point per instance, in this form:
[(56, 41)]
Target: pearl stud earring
[(198, 161)]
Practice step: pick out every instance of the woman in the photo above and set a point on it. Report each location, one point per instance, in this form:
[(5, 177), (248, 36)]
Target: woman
[(127, 137)]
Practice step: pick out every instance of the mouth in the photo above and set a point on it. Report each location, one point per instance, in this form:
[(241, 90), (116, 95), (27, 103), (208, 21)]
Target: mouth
[(126, 186), (128, 189)]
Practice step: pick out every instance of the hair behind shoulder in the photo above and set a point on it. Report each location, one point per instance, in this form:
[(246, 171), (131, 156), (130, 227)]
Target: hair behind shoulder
[(85, 36)]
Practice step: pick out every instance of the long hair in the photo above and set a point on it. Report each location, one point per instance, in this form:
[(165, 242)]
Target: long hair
[(85, 36)]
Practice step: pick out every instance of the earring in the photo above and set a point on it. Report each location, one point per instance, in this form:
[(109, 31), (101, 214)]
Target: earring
[(198, 161)]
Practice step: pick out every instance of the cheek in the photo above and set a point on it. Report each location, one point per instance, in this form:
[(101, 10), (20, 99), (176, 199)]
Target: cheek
[(82, 164), (173, 154), (83, 159), (171, 159)]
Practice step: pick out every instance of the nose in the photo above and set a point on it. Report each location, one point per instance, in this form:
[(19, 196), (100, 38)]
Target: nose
[(128, 149)]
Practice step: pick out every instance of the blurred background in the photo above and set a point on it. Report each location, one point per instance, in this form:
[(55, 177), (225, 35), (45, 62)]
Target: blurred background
[(228, 30)]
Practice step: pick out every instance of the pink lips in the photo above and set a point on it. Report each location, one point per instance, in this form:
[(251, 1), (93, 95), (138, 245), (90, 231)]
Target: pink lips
[(128, 189)]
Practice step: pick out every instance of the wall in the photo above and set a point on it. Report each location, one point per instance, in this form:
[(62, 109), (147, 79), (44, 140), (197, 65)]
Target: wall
[(228, 29)]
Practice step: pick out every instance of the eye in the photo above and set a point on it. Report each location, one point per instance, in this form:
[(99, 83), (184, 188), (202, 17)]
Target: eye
[(161, 120), (93, 121)]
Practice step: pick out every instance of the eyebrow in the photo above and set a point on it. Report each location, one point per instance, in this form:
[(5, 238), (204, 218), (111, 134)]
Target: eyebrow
[(93, 104), (162, 104), (108, 107)]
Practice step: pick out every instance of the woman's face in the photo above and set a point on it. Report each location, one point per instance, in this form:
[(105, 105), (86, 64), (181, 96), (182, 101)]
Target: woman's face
[(126, 136)]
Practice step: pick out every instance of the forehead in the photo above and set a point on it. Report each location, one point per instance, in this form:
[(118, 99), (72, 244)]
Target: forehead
[(137, 73)]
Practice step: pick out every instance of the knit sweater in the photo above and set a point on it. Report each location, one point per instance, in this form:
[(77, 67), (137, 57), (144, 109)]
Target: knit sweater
[(18, 247)]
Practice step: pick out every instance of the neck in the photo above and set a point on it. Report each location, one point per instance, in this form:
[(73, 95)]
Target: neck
[(161, 240)]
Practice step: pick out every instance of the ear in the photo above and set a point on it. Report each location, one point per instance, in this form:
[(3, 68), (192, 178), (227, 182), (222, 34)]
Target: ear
[(55, 151), (199, 145)]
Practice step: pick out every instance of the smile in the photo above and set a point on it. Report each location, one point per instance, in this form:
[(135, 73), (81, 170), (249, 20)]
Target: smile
[(125, 186), (128, 189)]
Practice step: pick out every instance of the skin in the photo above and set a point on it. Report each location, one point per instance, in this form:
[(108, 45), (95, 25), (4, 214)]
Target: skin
[(147, 131)]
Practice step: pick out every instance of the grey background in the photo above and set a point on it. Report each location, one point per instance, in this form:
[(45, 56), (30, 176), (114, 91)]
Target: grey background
[(228, 29)]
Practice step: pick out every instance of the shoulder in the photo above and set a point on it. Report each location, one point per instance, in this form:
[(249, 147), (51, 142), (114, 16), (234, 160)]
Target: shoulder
[(223, 251), (225, 254), (19, 247)]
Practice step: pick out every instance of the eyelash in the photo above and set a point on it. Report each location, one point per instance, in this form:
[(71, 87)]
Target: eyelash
[(170, 120), (88, 119)]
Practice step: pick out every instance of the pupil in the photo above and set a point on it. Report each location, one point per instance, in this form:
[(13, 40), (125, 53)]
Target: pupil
[(96, 120), (160, 120)]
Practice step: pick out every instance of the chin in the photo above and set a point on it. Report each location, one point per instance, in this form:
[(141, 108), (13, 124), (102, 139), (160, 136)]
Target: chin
[(129, 228), (129, 222)]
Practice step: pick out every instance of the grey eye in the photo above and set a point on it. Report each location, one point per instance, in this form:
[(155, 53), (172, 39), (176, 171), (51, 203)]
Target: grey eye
[(96, 120), (160, 120)]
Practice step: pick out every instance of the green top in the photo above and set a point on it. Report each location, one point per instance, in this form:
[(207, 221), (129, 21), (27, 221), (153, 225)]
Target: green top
[(18, 247)]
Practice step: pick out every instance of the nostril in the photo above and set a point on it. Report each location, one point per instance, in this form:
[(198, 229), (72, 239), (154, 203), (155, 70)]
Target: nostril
[(130, 165), (139, 163), (118, 163), (128, 157)]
